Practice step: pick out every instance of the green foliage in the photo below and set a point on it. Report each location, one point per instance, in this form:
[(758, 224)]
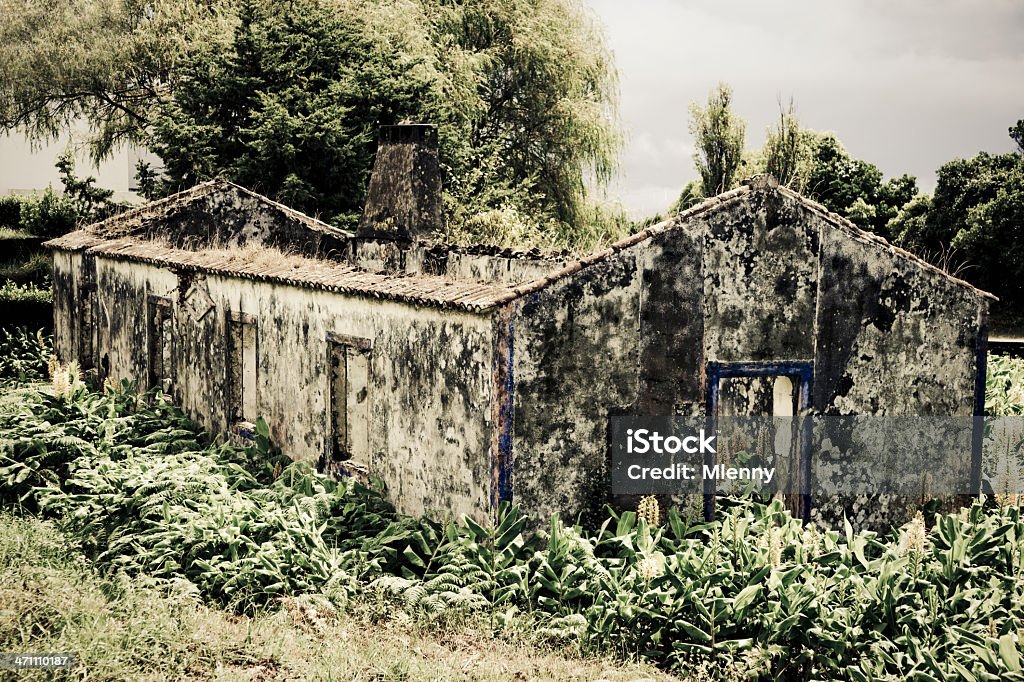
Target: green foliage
[(992, 237), (854, 188), (755, 592), (91, 203), (287, 98), (36, 269), (291, 108), (528, 95), (10, 211), (148, 180), (812, 163), (718, 134), (1004, 386), (10, 291), (786, 152), (977, 214), (912, 220), (1016, 132), (107, 62), (23, 354), (48, 214)]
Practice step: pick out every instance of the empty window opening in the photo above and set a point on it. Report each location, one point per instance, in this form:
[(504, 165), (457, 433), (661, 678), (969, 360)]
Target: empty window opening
[(349, 374), (783, 397), (161, 343), (242, 368), (87, 318)]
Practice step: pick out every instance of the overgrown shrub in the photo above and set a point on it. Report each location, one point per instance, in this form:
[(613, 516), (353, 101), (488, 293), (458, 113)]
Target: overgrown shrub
[(755, 594), (48, 214), (10, 211), (23, 354)]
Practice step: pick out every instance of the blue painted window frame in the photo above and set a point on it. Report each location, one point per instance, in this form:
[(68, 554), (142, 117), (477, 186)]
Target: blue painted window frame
[(798, 370)]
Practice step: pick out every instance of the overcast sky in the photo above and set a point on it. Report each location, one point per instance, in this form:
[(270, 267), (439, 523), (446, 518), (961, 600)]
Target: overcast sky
[(905, 84)]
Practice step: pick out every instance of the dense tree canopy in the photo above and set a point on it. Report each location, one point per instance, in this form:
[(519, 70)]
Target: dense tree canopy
[(974, 223), (291, 107), (815, 164), (286, 95), (108, 63), (854, 188)]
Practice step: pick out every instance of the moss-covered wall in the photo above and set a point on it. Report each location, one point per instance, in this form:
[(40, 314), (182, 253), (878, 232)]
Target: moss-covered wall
[(429, 373)]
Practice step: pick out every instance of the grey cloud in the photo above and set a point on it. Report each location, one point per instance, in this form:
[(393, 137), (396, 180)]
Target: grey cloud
[(906, 85)]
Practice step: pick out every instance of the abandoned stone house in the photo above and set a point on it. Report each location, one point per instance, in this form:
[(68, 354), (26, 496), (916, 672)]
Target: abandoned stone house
[(465, 376)]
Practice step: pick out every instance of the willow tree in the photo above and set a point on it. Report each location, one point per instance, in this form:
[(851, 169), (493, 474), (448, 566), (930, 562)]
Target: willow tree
[(105, 63), (719, 134), (286, 95), (532, 95)]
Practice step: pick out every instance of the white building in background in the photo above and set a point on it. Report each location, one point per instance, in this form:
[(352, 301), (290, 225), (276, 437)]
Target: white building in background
[(27, 167)]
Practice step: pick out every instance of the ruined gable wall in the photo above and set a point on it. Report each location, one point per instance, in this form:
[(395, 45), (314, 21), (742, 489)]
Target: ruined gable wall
[(893, 338), (231, 217), (760, 280), (429, 373)]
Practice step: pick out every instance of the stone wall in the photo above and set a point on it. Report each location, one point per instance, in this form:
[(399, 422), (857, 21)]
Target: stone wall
[(430, 371), (577, 349), (468, 409)]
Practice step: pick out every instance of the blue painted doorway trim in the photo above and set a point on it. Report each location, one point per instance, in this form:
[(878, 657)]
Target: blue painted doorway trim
[(797, 370)]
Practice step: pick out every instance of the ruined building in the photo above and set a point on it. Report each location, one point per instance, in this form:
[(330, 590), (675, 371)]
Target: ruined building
[(467, 376)]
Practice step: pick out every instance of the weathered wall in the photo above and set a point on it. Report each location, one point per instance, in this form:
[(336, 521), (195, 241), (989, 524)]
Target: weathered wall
[(672, 355), (66, 277), (576, 353), (454, 262), (123, 341), (893, 338), (760, 280), (430, 374)]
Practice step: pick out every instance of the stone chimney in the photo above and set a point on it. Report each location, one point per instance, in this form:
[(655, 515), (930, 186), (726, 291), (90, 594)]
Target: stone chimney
[(404, 198)]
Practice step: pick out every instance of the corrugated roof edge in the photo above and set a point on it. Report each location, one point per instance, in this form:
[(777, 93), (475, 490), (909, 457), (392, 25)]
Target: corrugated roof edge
[(679, 222), (470, 290)]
